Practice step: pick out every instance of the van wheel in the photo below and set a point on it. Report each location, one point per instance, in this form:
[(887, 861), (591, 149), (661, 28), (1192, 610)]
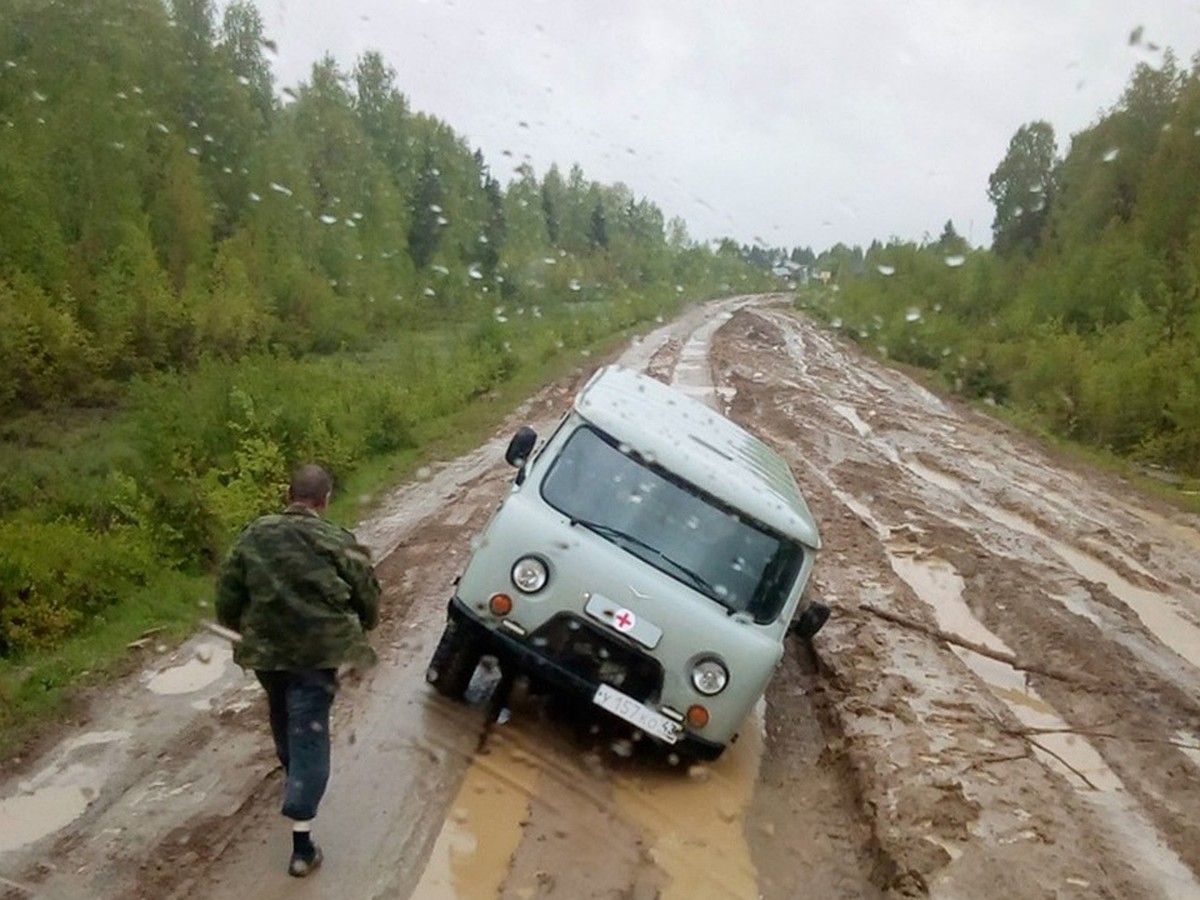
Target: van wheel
[(453, 662), (809, 622)]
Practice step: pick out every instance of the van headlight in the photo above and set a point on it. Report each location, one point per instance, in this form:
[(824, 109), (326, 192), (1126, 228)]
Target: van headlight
[(709, 676), (529, 574)]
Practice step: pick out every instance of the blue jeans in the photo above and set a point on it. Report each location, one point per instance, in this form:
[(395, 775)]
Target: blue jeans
[(299, 703)]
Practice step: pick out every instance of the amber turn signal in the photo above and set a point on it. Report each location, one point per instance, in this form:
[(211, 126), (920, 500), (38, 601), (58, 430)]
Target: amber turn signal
[(500, 604), (697, 716)]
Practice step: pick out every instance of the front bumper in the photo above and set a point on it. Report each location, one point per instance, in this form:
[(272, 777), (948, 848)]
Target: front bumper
[(515, 655)]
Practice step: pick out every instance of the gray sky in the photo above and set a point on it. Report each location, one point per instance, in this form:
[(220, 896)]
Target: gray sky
[(784, 121)]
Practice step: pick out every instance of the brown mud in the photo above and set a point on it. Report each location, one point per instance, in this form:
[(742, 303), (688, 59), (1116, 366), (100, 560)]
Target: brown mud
[(882, 762)]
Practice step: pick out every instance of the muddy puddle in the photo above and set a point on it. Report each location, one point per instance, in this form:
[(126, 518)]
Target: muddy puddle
[(205, 667), (938, 584), (55, 796), (1161, 614)]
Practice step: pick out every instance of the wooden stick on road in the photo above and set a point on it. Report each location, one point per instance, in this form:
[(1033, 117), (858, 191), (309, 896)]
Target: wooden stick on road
[(1010, 659)]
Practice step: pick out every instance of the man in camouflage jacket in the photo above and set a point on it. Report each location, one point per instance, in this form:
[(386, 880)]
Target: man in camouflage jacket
[(302, 593)]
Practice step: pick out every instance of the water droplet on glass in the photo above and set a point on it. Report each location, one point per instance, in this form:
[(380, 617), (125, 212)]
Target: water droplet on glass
[(121, 95), (441, 270), (280, 189), (550, 260), (194, 151), (886, 270), (40, 97), (255, 197), (243, 81), (835, 322), (433, 207), (473, 272), (1111, 154), (955, 260), (913, 315), (720, 590), (329, 220), (429, 292), (679, 288), (442, 220), (575, 285)]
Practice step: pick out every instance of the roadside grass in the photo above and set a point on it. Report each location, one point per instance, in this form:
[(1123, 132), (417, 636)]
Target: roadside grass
[(37, 690), (40, 688)]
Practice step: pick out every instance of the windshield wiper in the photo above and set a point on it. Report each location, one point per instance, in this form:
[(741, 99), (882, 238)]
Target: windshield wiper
[(616, 534)]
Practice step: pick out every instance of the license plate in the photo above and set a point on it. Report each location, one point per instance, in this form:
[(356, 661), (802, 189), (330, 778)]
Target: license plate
[(625, 707)]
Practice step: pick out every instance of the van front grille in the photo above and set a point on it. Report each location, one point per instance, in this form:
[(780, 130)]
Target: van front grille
[(587, 651)]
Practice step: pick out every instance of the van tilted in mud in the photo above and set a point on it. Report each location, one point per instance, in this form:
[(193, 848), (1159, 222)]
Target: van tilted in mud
[(649, 559)]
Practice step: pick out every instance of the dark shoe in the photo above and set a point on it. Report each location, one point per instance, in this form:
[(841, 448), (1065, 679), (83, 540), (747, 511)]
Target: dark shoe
[(301, 867)]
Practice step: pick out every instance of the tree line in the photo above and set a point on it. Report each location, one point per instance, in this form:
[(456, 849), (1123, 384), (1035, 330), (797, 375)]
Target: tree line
[(205, 278), (1084, 315)]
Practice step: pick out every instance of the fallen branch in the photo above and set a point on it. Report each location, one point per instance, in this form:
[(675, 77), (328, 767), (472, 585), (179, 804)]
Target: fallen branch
[(1009, 659), (1074, 771)]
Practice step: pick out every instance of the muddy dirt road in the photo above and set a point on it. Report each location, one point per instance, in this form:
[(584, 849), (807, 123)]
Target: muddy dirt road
[(883, 761)]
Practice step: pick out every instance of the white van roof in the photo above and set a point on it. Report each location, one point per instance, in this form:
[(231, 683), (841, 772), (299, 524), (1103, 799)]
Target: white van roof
[(699, 445)]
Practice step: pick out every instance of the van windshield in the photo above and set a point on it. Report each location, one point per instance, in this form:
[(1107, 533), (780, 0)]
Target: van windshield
[(672, 525)]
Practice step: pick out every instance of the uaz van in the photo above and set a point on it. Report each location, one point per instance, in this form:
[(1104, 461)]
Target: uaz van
[(648, 559)]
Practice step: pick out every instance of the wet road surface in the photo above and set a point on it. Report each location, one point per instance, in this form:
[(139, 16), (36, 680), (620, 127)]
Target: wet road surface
[(881, 762)]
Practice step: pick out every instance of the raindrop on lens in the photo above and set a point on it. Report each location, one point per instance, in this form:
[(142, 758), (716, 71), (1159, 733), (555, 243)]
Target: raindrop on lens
[(955, 260), (1111, 154), (886, 270), (913, 315)]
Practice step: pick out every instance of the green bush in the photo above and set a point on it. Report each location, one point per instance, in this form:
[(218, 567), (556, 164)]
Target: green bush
[(55, 576)]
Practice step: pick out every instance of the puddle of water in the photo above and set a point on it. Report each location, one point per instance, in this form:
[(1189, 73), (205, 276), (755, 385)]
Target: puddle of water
[(695, 825), (937, 583), (1159, 612), (1192, 745), (55, 796), (27, 817), (198, 672), (470, 860), (940, 479), (850, 414)]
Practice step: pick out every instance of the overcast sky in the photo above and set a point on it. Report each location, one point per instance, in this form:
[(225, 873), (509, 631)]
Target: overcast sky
[(782, 121)]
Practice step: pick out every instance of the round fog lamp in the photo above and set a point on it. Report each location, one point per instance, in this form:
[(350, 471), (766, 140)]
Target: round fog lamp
[(529, 574), (709, 677), (697, 716)]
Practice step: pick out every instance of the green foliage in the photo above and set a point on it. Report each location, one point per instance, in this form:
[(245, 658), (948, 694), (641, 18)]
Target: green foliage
[(203, 284), (54, 575), (1085, 317)]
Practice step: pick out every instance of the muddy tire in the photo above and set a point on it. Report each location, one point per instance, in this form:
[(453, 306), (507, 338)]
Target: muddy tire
[(809, 622), (453, 662)]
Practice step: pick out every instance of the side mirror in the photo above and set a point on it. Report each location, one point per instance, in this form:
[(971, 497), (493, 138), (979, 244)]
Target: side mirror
[(520, 446), (809, 622)]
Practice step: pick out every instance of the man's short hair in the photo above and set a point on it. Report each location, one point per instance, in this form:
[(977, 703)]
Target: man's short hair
[(310, 484)]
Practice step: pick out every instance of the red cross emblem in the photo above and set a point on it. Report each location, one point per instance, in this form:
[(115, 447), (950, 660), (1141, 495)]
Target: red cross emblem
[(625, 620)]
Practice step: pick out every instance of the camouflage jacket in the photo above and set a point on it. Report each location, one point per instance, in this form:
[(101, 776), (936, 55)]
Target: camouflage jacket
[(302, 593)]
